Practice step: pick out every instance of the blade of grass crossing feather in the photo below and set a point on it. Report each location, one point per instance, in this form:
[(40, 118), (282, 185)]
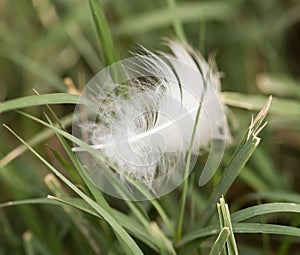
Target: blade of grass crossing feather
[(225, 221), (98, 195), (100, 199), (219, 244), (37, 100), (103, 32), (186, 172), (240, 157), (130, 204), (110, 219), (95, 192), (177, 24)]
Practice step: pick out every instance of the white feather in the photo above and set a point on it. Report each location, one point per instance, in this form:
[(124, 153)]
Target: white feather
[(145, 126)]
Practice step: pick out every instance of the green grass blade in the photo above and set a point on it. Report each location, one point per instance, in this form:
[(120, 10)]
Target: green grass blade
[(36, 100), (283, 196), (258, 228), (36, 68), (33, 141), (284, 107), (219, 244), (177, 24), (109, 218), (258, 210), (242, 228), (186, 172), (187, 12), (103, 32), (225, 221), (238, 161)]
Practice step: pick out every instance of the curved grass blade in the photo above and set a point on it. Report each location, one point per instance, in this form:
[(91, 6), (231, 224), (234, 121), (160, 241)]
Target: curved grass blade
[(109, 218), (258, 210), (35, 100)]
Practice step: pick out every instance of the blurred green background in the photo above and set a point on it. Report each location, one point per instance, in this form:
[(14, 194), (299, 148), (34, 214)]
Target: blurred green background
[(43, 42)]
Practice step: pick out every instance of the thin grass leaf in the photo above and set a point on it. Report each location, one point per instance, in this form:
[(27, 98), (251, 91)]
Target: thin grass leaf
[(67, 167), (274, 196), (258, 210), (36, 68), (33, 141), (84, 46), (241, 228), (219, 244), (252, 179), (187, 12), (258, 228), (186, 171), (279, 85), (177, 24), (238, 161), (36, 100), (280, 106), (198, 234), (111, 220), (225, 221), (103, 32)]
